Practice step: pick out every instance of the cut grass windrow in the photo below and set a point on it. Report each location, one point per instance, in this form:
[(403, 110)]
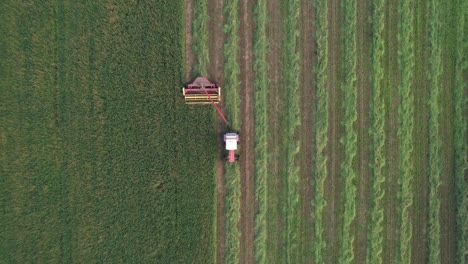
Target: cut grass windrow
[(232, 107), (232, 208), (349, 139), (321, 127), (405, 127), (461, 164), (200, 38), (261, 129), (231, 65), (435, 141), (291, 122), (377, 134)]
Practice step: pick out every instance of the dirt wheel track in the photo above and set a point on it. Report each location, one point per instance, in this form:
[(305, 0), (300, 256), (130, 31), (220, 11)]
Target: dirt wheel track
[(448, 202), (189, 57), (215, 30), (307, 46), (274, 183), (247, 168), (334, 182)]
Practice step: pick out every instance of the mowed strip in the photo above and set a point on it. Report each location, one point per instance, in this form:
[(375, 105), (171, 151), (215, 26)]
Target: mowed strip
[(461, 163), (290, 123), (247, 131), (307, 88), (275, 183), (233, 114), (334, 185), (448, 206)]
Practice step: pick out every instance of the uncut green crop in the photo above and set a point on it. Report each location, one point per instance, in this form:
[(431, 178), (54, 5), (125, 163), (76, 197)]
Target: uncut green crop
[(461, 161), (261, 129), (321, 127), (232, 107), (102, 159), (435, 141), (405, 128), (377, 133), (291, 122), (349, 140)]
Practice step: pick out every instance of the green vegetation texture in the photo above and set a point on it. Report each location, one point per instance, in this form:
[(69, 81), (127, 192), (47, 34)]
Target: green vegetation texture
[(349, 138), (320, 128), (290, 123), (460, 142), (435, 141), (405, 129), (377, 133), (101, 160), (261, 129), (232, 109)]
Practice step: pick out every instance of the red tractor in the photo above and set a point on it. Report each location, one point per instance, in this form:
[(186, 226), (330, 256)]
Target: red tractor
[(202, 91), (231, 140)]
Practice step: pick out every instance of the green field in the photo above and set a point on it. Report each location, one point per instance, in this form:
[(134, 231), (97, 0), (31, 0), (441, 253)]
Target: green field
[(351, 115), (100, 159)]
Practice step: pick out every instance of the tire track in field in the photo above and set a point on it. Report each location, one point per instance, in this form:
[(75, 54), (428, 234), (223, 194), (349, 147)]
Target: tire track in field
[(448, 202), (189, 57), (363, 67), (307, 47), (333, 182), (275, 186), (217, 39), (247, 168), (215, 74)]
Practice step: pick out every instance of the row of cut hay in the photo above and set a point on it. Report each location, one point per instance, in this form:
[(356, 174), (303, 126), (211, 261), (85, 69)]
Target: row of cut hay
[(349, 139), (291, 73), (377, 133), (232, 110), (320, 127), (260, 50), (461, 164), (405, 127), (435, 141)]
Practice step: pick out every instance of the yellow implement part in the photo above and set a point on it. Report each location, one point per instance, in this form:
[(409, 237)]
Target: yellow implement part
[(191, 98), (200, 99)]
